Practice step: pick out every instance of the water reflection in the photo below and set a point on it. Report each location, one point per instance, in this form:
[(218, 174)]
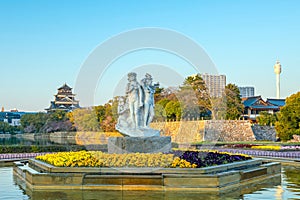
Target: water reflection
[(288, 189), (81, 138), (25, 141), (9, 189), (46, 140), (36, 140), (124, 195), (292, 179)]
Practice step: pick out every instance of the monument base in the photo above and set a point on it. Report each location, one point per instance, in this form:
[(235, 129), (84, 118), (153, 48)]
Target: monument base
[(139, 144), (140, 132)]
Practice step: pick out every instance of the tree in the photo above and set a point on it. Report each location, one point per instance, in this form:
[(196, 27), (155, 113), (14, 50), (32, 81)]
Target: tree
[(194, 97), (266, 118), (234, 106), (107, 115), (57, 121), (219, 107), (189, 103), (114, 108), (173, 110), (85, 119), (109, 122), (159, 109), (33, 123), (55, 126), (6, 128), (288, 122), (47, 122), (100, 113), (57, 115), (158, 95)]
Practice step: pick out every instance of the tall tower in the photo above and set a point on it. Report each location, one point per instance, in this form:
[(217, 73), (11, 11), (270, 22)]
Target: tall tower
[(277, 70)]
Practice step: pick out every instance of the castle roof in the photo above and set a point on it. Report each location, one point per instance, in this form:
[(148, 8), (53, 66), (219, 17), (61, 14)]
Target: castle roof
[(65, 87)]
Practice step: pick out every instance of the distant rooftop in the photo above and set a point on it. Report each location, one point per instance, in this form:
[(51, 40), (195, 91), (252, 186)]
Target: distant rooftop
[(249, 101), (258, 103), (277, 102)]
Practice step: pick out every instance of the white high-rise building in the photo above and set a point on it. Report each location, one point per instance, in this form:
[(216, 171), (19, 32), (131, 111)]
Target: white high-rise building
[(215, 84), (246, 91), (277, 71)]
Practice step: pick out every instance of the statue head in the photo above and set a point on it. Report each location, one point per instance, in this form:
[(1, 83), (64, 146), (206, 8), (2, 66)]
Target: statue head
[(131, 76), (148, 76)]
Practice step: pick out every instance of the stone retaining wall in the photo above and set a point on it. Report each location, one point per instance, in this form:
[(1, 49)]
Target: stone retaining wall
[(63, 134), (228, 130), (181, 131), (214, 130), (264, 132)]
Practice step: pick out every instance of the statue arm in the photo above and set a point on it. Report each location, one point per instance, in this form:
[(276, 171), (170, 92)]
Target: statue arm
[(129, 88), (151, 89), (141, 96), (121, 111)]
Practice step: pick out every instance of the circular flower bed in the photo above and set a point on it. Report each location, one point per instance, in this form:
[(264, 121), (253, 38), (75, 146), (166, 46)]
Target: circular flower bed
[(182, 159)]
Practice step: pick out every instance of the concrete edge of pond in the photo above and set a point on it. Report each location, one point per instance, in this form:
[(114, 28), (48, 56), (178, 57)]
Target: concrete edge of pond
[(8, 163), (45, 167), (216, 179), (283, 161)]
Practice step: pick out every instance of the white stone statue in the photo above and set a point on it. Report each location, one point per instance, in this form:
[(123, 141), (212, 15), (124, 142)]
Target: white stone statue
[(149, 90), (135, 98), (136, 110)]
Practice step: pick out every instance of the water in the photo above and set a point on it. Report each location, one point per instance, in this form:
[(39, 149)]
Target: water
[(24, 141), (10, 188)]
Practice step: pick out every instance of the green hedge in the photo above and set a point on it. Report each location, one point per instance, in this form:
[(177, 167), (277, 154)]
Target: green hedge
[(37, 149)]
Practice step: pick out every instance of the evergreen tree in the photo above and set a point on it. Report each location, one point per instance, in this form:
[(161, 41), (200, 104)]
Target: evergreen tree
[(173, 110), (194, 98), (288, 122), (266, 118), (234, 106)]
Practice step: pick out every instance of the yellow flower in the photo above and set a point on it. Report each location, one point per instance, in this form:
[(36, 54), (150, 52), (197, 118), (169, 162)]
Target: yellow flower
[(267, 147)]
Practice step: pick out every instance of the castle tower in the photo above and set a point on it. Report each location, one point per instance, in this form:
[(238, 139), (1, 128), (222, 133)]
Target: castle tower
[(277, 70), (64, 100)]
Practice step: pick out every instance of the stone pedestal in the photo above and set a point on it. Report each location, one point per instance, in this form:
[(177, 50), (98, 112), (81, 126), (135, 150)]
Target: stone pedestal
[(139, 144)]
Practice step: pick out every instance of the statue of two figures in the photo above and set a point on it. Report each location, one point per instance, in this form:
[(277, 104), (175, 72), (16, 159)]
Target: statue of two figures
[(136, 110)]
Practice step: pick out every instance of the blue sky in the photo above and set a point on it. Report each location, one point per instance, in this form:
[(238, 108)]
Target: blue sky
[(43, 44)]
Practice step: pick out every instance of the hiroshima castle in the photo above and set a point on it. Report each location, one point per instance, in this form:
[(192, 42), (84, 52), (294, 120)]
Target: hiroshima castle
[(64, 100)]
